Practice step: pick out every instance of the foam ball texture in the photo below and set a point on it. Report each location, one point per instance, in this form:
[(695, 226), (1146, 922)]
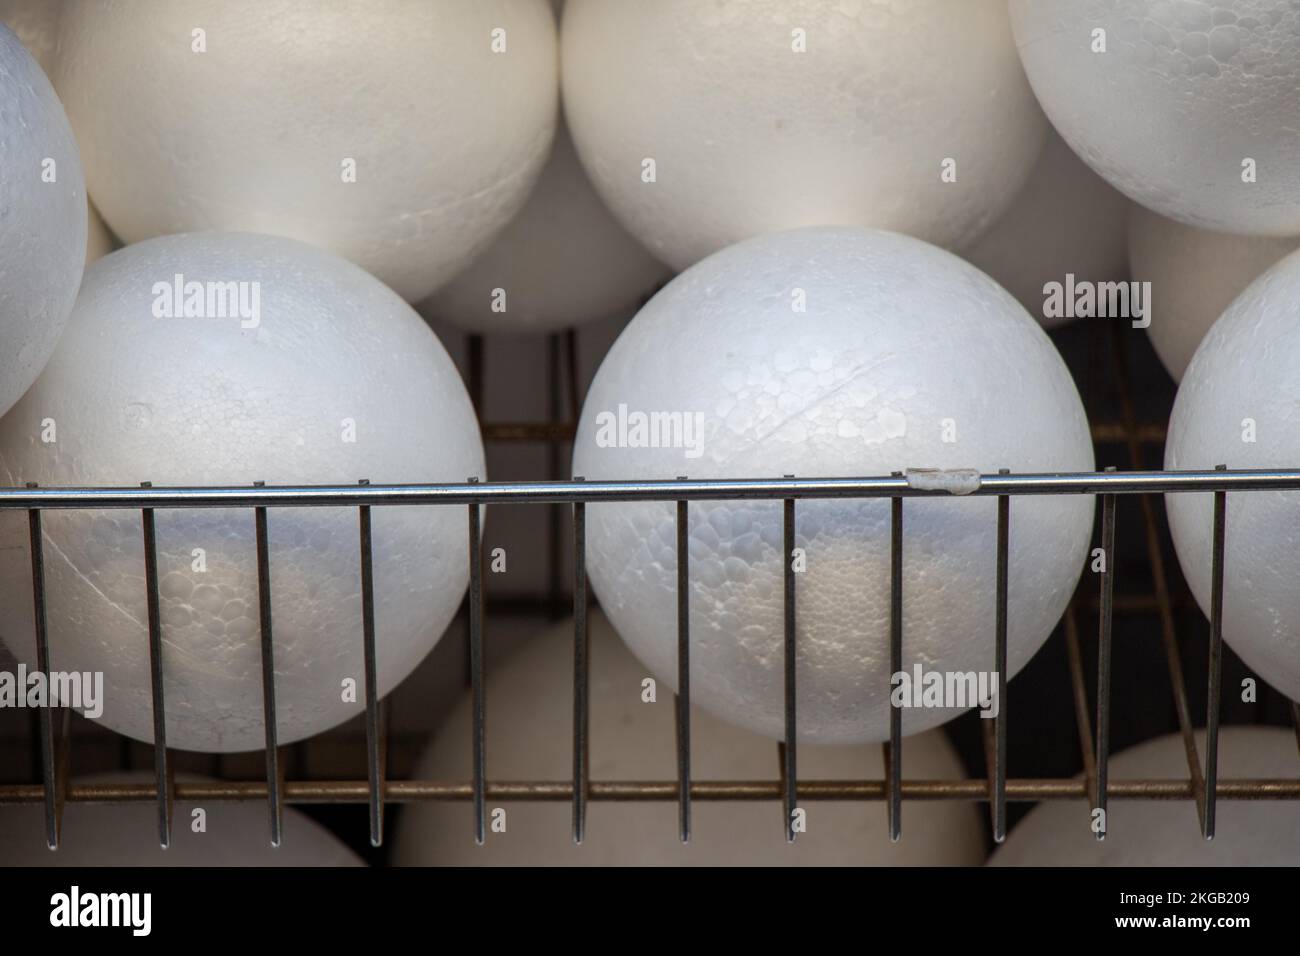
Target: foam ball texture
[(1194, 274), (42, 223), (749, 136), (1157, 833), (530, 715), (1065, 220), (203, 401), (102, 834), (900, 340), (36, 24), (253, 134), (1184, 93), (1248, 367), (562, 261)]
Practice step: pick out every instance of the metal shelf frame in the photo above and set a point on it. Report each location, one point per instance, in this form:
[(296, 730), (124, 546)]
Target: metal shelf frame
[(1203, 785)]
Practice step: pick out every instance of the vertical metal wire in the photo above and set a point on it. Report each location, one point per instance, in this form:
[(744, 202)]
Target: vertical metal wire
[(273, 790), (1295, 721), (374, 745), (581, 673), (49, 773), (162, 776), (894, 767), (1216, 662), (683, 709), (1079, 686), (999, 769), (1104, 656), (479, 739), (791, 745), (554, 467)]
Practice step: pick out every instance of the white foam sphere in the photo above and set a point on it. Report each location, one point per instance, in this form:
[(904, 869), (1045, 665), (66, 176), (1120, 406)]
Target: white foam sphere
[(1191, 110), (1158, 833), (338, 380), (126, 834), (36, 23), (387, 131), (1066, 220), (832, 352), (1194, 274), (563, 261), (529, 737), (770, 115), (1236, 407), (42, 219)]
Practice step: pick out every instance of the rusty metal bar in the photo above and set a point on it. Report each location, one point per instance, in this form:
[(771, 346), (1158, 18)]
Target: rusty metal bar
[(664, 791)]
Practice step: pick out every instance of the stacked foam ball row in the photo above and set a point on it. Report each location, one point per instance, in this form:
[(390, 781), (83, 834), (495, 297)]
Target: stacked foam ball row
[(866, 206)]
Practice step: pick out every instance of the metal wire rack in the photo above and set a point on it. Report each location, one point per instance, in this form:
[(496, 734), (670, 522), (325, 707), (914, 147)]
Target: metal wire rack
[(1203, 785)]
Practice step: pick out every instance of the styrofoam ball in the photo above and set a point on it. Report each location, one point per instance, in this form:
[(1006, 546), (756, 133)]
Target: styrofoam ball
[(1236, 407), (832, 352), (563, 261), (529, 737), (1066, 219), (1194, 274), (772, 115), (1158, 833), (337, 380), (36, 24), (99, 241), (42, 219), (1191, 110), (126, 834), (386, 131)]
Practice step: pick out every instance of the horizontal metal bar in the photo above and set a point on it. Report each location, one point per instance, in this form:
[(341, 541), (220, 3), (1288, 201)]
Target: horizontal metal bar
[(1118, 433), (337, 496), (417, 791), (529, 431)]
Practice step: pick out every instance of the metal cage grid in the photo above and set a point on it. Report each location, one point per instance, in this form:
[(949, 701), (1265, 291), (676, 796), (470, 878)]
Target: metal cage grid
[(1203, 784)]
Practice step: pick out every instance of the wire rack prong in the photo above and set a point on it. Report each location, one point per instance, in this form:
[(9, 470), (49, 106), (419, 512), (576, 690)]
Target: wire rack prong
[(1216, 661), (478, 742), (999, 768), (274, 778), (789, 757), (49, 770), (374, 731), (157, 700), (894, 754), (1105, 621), (682, 710), (581, 674)]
